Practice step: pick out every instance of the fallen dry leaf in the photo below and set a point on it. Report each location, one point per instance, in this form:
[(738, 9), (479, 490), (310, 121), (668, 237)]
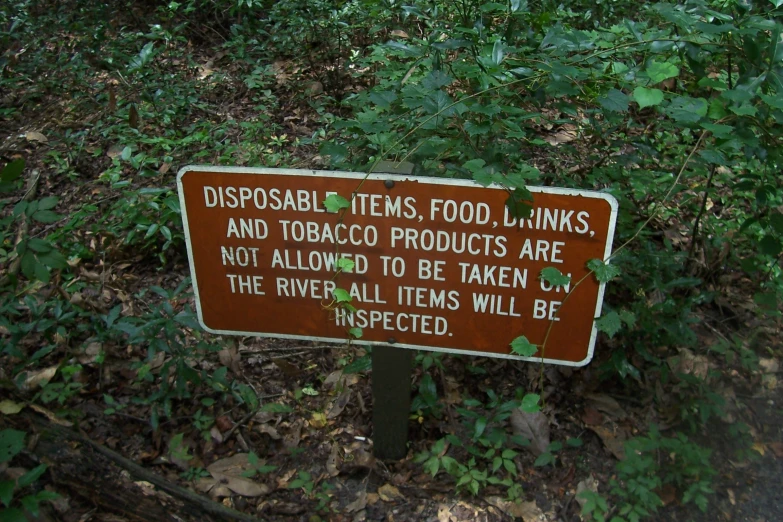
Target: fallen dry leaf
[(769, 365), (689, 364), (241, 485), (358, 504), (776, 448), (8, 407), (332, 463), (318, 420), (228, 472), (39, 378), (613, 441), (51, 416), (399, 33), (389, 493), (229, 357), (269, 430), (339, 404), (527, 511), (606, 404), (115, 150), (36, 136), (588, 484), (532, 426)]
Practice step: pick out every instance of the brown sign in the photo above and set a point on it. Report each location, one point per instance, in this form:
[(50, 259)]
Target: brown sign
[(438, 264)]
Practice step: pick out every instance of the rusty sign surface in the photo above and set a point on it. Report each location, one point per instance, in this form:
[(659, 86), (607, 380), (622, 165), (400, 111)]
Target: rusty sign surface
[(439, 264)]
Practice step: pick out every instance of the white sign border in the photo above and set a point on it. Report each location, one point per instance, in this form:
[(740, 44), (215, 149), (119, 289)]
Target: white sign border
[(394, 177)]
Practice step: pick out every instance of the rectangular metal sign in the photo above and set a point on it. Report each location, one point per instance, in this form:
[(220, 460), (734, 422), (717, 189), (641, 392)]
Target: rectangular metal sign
[(439, 263)]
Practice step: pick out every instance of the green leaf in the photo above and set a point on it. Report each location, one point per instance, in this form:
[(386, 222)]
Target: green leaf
[(530, 403), (746, 109), (603, 272), (438, 103), (628, 317), (47, 203), (498, 52), (435, 80), (356, 332), (479, 427), (143, 57), (345, 264), (522, 347), (276, 407), (342, 296), (609, 323), (14, 515), (432, 466), (659, 72), (31, 476), (39, 245), (28, 265), (686, 109), (770, 245), (337, 152), (544, 459), (554, 277), (362, 364), (647, 97), (776, 221), (614, 101), (520, 203), (46, 216), (335, 202), (718, 129), (7, 492), (12, 171), (11, 443)]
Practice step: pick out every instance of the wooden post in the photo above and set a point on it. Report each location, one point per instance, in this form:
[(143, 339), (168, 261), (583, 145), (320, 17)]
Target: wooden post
[(391, 393), (391, 375)]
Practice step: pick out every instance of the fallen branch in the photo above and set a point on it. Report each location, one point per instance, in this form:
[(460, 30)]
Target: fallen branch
[(57, 439)]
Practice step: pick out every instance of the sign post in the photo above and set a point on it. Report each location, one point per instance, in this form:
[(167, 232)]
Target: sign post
[(438, 264)]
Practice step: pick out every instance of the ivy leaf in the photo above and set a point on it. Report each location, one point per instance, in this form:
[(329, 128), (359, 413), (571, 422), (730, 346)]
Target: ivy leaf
[(554, 277), (438, 103), (335, 202), (659, 72), (337, 152), (342, 296), (521, 346), (520, 203), (436, 79), (345, 264), (603, 272), (629, 318), (356, 332), (686, 109), (614, 101), (609, 323), (647, 97)]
